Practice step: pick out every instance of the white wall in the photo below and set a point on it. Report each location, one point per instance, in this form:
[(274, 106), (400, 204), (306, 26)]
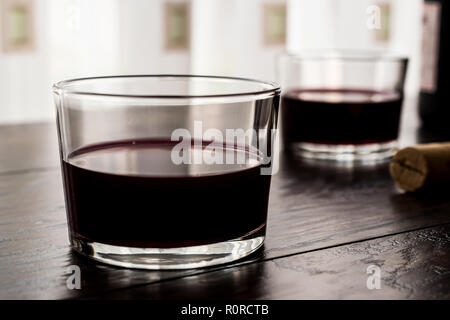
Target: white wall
[(24, 85), (74, 38), (77, 38), (342, 24), (229, 39), (407, 38), (141, 40), (83, 37), (311, 25)]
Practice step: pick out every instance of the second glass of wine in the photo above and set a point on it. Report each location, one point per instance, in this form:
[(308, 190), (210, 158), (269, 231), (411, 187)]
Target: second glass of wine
[(341, 105)]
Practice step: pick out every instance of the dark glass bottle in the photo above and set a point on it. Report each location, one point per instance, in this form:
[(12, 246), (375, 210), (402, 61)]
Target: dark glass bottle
[(434, 97)]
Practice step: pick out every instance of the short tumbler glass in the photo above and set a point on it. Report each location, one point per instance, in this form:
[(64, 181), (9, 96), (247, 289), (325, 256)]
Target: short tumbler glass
[(166, 171), (341, 105)]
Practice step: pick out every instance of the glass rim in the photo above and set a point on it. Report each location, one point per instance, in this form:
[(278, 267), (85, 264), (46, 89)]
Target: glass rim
[(346, 55), (62, 86)]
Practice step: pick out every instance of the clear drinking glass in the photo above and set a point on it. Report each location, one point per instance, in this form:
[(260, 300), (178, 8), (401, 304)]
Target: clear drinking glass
[(341, 105), (165, 171)]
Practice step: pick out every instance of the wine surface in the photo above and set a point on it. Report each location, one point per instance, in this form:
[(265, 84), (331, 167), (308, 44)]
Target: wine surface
[(340, 116), (131, 193)]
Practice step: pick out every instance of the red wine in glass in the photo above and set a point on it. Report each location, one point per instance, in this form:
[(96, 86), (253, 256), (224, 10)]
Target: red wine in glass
[(130, 193), (340, 116)]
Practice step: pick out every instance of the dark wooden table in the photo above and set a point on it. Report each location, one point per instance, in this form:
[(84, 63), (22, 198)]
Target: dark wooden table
[(327, 225)]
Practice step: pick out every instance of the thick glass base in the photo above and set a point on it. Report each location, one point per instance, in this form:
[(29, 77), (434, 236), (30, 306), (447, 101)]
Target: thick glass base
[(169, 258), (361, 153)]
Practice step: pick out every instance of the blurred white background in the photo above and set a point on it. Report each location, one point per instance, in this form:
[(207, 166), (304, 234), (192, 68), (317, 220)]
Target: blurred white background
[(81, 38)]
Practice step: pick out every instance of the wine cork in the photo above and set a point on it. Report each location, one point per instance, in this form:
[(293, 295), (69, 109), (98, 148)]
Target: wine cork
[(420, 166)]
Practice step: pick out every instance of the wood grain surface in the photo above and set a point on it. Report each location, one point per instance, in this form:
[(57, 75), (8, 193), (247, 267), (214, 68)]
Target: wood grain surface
[(413, 265)]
